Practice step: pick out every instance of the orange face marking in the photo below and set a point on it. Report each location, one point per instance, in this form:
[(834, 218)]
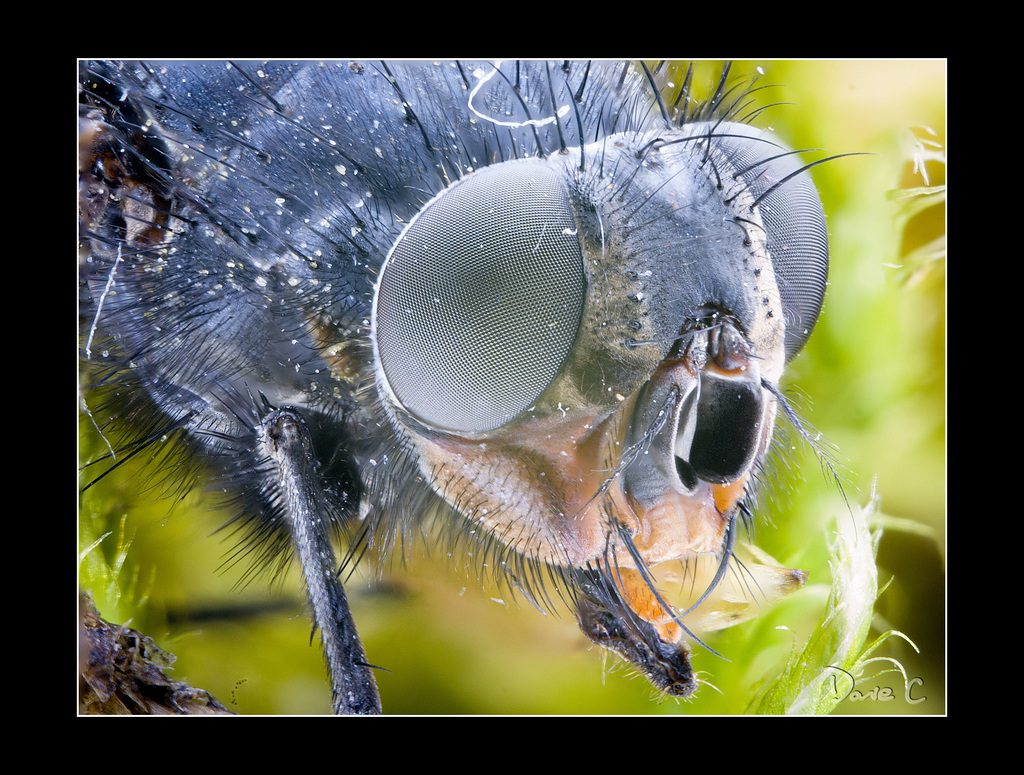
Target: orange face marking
[(550, 489)]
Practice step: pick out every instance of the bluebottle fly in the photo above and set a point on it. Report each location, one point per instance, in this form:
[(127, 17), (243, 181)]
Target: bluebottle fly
[(543, 308)]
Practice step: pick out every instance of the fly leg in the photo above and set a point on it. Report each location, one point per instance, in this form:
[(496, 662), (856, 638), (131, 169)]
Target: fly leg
[(285, 439)]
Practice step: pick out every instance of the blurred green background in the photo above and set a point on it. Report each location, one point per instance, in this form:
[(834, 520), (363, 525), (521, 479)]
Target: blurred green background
[(872, 381)]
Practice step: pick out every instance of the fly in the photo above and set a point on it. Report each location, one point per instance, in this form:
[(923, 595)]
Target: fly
[(539, 306)]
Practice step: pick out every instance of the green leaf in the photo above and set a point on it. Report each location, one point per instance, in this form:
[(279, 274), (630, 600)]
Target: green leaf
[(821, 674)]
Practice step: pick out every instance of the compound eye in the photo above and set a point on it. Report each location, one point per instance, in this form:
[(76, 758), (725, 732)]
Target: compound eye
[(479, 302), (794, 221)]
